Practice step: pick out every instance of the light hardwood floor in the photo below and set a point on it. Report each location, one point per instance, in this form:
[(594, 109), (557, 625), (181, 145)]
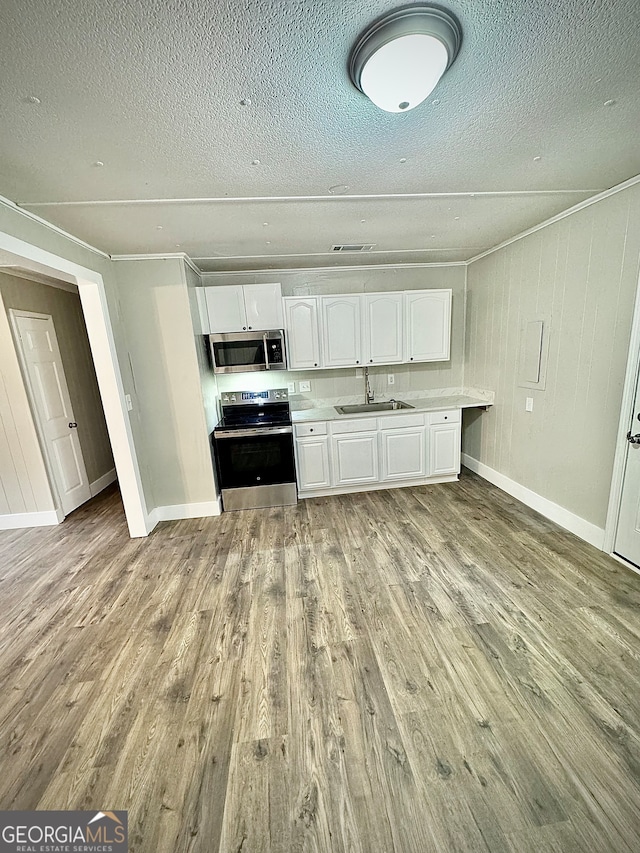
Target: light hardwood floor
[(414, 670)]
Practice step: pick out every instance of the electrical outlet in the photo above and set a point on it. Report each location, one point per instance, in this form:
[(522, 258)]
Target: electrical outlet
[(528, 404), (304, 386), (291, 387), (391, 379), (127, 398)]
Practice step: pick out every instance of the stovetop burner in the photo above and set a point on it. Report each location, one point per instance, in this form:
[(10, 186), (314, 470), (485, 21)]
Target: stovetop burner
[(242, 409)]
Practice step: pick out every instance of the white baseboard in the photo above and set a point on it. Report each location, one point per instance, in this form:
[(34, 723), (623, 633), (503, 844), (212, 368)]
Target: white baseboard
[(102, 482), (176, 512), (374, 487), (570, 521), (30, 519)]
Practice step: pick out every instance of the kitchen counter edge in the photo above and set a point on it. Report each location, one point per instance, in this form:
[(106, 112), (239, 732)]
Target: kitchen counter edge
[(426, 404)]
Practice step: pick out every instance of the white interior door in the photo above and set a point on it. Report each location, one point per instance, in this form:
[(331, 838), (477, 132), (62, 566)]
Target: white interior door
[(627, 542), (50, 398)]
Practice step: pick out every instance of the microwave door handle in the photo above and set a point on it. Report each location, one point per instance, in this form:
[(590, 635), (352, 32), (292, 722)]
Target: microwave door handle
[(266, 352)]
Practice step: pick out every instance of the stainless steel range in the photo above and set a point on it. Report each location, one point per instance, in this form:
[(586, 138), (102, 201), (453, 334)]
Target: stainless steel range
[(254, 450)]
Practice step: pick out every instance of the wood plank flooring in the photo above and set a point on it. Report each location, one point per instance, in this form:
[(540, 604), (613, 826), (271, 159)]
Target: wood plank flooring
[(404, 671)]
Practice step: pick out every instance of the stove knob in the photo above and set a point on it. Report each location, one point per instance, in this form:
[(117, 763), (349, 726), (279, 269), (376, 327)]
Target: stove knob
[(225, 399), (277, 396), (233, 399)]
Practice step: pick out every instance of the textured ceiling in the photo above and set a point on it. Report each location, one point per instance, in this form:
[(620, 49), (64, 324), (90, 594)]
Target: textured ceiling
[(539, 111)]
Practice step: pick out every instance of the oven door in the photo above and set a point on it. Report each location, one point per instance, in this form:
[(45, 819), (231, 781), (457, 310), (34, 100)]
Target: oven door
[(254, 457)]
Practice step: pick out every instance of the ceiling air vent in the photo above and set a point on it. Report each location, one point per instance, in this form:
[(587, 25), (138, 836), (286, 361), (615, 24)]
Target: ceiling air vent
[(353, 247)]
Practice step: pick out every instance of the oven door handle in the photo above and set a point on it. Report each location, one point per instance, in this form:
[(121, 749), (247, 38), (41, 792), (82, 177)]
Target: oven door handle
[(250, 433)]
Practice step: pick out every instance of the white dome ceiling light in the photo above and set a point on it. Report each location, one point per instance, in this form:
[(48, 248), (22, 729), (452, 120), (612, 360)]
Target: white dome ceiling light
[(398, 60)]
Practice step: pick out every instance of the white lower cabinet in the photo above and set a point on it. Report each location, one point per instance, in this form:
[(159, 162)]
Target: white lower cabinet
[(444, 450), (355, 459), (354, 452), (403, 447), (364, 453), (403, 453), (444, 443), (313, 463), (312, 456)]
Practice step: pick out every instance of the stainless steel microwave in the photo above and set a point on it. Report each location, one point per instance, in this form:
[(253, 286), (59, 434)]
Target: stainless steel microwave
[(242, 352)]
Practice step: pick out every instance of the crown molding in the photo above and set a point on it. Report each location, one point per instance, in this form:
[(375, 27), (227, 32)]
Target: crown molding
[(158, 256), (352, 268), (625, 185), (6, 202)]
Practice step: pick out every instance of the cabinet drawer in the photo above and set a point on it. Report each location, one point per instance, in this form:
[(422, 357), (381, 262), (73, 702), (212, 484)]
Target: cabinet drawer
[(361, 425), (401, 421), (314, 428), (451, 416)]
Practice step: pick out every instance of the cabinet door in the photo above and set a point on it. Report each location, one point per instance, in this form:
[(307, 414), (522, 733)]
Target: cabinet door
[(428, 325), (341, 332), (354, 458), (383, 323), (444, 449), (263, 306), (312, 455), (302, 334), (403, 453), (225, 307)]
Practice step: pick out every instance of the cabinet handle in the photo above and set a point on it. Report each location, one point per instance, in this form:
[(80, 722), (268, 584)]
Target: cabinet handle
[(244, 328), (411, 359), (357, 362), (370, 361), (311, 430), (315, 364), (250, 327)]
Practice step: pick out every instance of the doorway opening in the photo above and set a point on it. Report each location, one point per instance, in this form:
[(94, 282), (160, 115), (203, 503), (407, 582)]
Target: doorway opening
[(622, 529), (17, 254)]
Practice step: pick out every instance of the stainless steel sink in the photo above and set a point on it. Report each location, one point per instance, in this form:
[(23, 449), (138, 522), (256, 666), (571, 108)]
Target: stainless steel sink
[(363, 408)]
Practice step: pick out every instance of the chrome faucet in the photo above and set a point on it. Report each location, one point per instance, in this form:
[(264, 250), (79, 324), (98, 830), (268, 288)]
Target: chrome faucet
[(368, 393)]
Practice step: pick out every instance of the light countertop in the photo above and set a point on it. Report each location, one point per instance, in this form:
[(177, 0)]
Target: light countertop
[(323, 410)]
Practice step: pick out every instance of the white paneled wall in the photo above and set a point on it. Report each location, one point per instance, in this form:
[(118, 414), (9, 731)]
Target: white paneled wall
[(581, 274)]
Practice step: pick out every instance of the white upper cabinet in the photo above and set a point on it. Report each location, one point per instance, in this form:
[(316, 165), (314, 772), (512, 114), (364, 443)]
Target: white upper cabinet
[(225, 307), (237, 308), (382, 328), (341, 330), (427, 325), (303, 332), (368, 328), (263, 306)]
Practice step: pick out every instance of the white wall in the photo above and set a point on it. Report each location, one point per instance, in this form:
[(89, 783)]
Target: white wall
[(66, 311), (328, 384), (169, 411), (582, 273)]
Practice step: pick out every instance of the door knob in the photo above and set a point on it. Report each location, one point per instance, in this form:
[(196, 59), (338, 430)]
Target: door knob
[(633, 439), (73, 425)]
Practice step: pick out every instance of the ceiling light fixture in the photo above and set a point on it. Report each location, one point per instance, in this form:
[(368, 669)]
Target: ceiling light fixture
[(399, 59)]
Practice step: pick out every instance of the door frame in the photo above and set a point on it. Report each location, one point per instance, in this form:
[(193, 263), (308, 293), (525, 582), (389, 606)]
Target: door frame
[(91, 289), (631, 379), (14, 315)]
